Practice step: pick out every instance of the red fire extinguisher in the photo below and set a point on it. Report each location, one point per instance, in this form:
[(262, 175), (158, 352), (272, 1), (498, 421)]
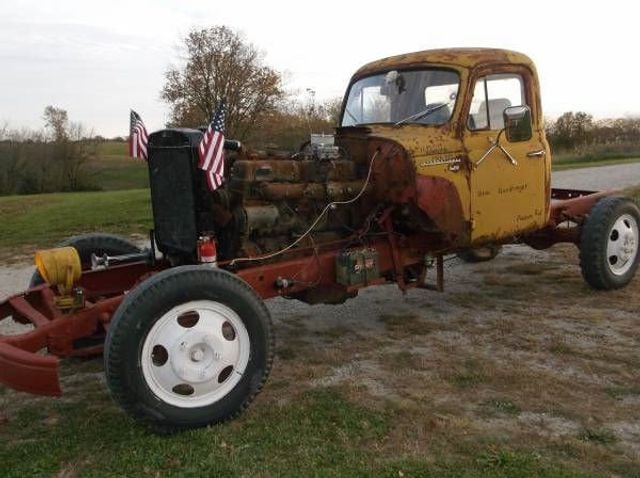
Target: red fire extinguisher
[(207, 251)]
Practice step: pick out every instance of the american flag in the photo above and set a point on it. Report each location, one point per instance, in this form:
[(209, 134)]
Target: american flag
[(211, 149), (138, 137)]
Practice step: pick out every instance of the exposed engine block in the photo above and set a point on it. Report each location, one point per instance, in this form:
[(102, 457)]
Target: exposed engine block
[(270, 200)]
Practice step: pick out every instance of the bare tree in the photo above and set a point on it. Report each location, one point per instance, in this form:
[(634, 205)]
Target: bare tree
[(57, 121), (219, 64), (71, 150), (78, 151), (4, 128)]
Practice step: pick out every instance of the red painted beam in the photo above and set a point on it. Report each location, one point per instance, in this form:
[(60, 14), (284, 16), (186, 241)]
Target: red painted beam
[(29, 372), (27, 311), (320, 268)]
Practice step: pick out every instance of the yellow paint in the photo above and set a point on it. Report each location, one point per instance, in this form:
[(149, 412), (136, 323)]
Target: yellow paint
[(459, 58), (499, 199), (506, 199), (433, 151)]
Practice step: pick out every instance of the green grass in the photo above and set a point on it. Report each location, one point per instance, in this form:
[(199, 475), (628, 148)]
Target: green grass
[(580, 163), (113, 169), (113, 148), (602, 436), (620, 392), (501, 405), (468, 375), (45, 219), (318, 433)]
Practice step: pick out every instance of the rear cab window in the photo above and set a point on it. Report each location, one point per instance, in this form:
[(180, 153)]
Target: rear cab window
[(491, 95)]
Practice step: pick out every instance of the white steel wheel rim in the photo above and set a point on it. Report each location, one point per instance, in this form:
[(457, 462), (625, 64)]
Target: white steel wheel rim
[(622, 244), (195, 354)]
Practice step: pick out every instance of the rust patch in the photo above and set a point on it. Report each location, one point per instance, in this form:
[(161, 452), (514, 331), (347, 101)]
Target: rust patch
[(439, 199), (460, 57)]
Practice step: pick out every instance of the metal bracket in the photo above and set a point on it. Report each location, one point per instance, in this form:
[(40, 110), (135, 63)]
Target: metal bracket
[(439, 285), (494, 146)]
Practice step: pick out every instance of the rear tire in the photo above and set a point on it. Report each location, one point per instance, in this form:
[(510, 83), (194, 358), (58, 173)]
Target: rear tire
[(169, 362), (480, 254), (93, 243), (609, 243)]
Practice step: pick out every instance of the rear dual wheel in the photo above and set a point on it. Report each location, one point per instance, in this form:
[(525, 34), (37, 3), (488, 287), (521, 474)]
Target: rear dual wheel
[(187, 348), (609, 243)]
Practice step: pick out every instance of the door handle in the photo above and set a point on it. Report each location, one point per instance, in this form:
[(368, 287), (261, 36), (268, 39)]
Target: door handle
[(536, 154)]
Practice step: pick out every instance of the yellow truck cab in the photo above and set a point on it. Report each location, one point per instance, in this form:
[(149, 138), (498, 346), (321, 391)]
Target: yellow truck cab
[(447, 109)]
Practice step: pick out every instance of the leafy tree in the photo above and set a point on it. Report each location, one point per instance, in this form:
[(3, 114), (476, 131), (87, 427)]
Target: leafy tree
[(571, 130), (290, 125), (219, 64)]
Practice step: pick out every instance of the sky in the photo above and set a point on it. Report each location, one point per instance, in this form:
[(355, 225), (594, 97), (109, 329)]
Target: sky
[(99, 59)]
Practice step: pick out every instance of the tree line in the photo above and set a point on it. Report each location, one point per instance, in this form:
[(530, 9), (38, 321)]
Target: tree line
[(578, 134), (49, 160)]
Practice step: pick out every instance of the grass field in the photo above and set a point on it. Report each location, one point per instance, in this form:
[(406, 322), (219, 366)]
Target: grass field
[(562, 164), (42, 220), (113, 169)]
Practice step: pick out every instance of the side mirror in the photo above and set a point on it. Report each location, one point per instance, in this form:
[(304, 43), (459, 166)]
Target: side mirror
[(517, 123)]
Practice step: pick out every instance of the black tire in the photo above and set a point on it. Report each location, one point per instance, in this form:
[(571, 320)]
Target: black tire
[(93, 243), (134, 321), (480, 254), (600, 230)]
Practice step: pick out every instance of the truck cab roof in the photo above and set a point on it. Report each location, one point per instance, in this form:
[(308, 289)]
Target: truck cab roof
[(461, 57)]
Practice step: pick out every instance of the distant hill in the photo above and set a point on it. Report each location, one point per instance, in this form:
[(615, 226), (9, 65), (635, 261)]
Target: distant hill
[(112, 168)]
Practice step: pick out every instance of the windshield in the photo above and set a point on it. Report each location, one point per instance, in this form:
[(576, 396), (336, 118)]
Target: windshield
[(414, 96)]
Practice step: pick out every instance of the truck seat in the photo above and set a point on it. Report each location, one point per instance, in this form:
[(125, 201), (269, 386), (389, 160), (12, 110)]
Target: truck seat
[(496, 108)]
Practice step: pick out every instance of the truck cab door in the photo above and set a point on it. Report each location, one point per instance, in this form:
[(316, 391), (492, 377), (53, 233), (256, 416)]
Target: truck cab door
[(508, 184)]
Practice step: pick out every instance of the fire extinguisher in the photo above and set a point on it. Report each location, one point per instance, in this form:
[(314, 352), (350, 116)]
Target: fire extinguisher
[(207, 251)]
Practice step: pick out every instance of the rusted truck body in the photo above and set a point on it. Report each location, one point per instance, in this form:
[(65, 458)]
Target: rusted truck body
[(438, 152)]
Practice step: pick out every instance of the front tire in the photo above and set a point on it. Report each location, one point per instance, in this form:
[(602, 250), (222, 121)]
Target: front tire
[(189, 347), (609, 243)]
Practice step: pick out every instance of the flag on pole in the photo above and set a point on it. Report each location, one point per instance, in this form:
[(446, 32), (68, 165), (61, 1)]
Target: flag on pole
[(210, 153), (138, 137)]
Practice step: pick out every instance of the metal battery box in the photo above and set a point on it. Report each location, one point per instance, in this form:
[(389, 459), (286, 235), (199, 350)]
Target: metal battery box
[(357, 267)]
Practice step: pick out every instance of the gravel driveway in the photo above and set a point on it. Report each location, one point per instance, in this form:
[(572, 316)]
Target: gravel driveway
[(600, 178)]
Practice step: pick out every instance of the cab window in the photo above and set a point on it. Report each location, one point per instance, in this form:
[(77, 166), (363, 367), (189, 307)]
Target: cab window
[(425, 96), (491, 95)]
